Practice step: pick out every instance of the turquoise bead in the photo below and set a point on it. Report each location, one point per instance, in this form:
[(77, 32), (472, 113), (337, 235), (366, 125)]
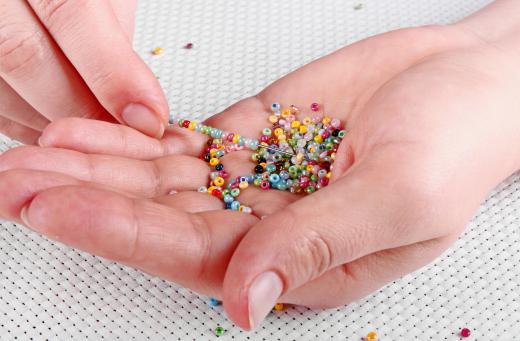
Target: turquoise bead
[(228, 199), (274, 178), (235, 205)]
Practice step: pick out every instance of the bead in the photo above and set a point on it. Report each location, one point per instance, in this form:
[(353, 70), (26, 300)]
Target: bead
[(235, 192), (465, 332), (278, 306), (315, 107), (219, 331), (157, 51), (214, 302), (214, 161), (216, 193), (266, 132), (228, 199), (202, 189), (286, 113), (185, 123), (247, 210), (219, 167), (188, 46), (273, 119), (275, 107), (243, 185), (372, 336), (259, 169), (219, 181), (265, 185), (235, 205), (342, 134), (274, 178), (295, 124)]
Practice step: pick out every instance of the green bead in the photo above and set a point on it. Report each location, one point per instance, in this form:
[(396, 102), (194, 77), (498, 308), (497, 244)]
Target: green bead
[(225, 192), (267, 131), (254, 157), (310, 189), (219, 331), (181, 121), (257, 182), (342, 134), (235, 192)]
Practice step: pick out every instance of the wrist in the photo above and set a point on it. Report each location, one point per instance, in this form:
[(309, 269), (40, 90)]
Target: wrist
[(497, 24)]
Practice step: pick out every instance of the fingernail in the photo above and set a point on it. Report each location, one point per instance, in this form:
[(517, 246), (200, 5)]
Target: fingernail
[(25, 220), (40, 142), (262, 296), (143, 119)]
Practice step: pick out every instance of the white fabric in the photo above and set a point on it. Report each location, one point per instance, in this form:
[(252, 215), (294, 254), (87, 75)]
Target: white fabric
[(49, 291)]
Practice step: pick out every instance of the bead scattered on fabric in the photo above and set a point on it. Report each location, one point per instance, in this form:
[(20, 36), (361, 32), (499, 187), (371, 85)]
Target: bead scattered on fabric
[(290, 155), (465, 332), (157, 51), (278, 306), (214, 302), (188, 46), (372, 336), (219, 331)]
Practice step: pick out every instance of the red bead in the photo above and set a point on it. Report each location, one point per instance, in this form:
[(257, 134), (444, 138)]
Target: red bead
[(188, 46), (324, 181), (304, 181), (265, 185), (465, 332), (264, 138), (230, 137), (216, 193), (223, 174), (312, 162), (186, 124), (315, 107)]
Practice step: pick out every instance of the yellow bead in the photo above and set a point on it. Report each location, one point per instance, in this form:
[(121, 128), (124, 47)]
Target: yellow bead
[(307, 121), (309, 168), (333, 156), (236, 137), (219, 181), (299, 157), (329, 174), (214, 161), (241, 208), (318, 138), (243, 185), (303, 129), (295, 124), (278, 131), (278, 306), (372, 336), (282, 138), (210, 189), (192, 125), (326, 120), (263, 164), (286, 112), (273, 119), (157, 51)]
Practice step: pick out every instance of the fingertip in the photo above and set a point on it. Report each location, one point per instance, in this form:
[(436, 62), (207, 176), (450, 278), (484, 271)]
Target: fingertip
[(144, 119)]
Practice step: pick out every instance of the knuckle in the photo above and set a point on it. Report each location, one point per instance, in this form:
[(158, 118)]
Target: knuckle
[(21, 49), (53, 12), (202, 240)]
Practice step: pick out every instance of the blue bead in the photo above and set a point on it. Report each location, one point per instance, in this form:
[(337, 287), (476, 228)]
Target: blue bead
[(275, 107), (235, 205), (284, 174), (228, 206), (282, 186), (270, 168), (214, 302), (228, 199), (274, 178), (198, 127), (244, 179), (253, 145), (171, 118), (241, 141)]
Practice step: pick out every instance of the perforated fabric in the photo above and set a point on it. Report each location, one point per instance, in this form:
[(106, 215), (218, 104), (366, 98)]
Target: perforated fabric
[(49, 291)]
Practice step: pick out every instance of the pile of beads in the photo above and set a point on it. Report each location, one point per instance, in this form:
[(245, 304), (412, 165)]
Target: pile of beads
[(291, 155)]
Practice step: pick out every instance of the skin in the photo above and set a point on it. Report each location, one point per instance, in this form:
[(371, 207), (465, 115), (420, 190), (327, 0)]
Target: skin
[(434, 125), (52, 67)]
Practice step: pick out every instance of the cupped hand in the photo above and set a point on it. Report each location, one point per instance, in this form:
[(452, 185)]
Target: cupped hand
[(69, 58), (432, 125)]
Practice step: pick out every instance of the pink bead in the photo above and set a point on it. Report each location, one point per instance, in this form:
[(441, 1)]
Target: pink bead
[(188, 46), (224, 174), (324, 181), (265, 185), (465, 332), (315, 107)]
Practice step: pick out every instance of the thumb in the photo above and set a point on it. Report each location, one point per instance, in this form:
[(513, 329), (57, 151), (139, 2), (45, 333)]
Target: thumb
[(94, 41), (357, 215)]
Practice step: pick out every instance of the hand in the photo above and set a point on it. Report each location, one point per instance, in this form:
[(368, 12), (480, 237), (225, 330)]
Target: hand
[(64, 58), (433, 128)]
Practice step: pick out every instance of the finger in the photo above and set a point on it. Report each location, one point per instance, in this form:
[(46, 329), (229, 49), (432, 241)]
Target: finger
[(119, 79), (18, 132), (364, 212), (97, 137), (350, 282), (34, 66), (15, 108), (190, 249), (23, 184), (124, 10), (143, 178)]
